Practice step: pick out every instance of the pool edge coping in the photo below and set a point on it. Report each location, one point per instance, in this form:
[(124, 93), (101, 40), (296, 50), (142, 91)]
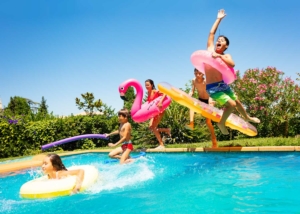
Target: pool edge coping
[(36, 160)]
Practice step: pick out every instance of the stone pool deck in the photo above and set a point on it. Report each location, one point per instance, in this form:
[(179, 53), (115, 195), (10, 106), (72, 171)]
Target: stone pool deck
[(37, 160)]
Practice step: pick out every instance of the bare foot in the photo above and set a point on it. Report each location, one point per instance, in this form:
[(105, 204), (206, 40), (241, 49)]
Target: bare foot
[(253, 120), (223, 129), (190, 126), (160, 148), (129, 160)]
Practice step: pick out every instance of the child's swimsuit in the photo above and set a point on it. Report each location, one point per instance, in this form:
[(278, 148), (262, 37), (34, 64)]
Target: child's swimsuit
[(127, 145), (221, 92), (154, 96), (203, 100)]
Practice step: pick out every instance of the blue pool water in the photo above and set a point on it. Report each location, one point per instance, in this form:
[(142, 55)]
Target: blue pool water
[(173, 183)]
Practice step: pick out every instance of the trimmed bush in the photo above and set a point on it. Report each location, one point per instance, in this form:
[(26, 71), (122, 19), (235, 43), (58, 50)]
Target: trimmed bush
[(24, 137)]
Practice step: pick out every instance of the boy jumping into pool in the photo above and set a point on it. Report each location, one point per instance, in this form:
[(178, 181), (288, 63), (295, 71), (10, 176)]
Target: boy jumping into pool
[(123, 152), (216, 88), (199, 83)]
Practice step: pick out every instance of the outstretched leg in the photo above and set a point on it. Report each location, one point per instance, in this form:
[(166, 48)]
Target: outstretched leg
[(191, 124), (243, 112), (116, 153), (153, 127), (230, 105), (125, 158), (165, 130), (212, 133)]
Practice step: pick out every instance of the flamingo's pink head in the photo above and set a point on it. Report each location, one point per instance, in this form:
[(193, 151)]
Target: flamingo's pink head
[(122, 91), (123, 88)]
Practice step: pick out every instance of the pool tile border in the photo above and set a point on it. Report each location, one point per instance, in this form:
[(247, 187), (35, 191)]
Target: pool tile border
[(37, 160), (277, 148)]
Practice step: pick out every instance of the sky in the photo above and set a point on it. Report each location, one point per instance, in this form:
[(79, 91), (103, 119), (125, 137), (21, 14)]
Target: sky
[(61, 49)]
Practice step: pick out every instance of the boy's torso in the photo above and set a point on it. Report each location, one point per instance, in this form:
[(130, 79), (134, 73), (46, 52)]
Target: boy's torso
[(122, 131), (201, 89)]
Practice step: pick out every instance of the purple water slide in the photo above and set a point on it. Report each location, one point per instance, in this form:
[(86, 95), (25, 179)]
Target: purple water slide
[(70, 139)]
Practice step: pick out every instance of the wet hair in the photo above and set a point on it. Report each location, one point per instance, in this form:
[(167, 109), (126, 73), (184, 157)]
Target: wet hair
[(151, 83), (56, 162), (226, 39), (124, 112)]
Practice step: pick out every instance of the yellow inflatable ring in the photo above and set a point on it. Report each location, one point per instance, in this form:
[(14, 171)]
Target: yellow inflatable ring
[(47, 188), (233, 121)]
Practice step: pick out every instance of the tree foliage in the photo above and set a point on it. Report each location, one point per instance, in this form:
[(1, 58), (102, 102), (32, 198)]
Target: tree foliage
[(275, 100), (43, 108), (18, 106), (27, 137), (89, 104), (129, 96)]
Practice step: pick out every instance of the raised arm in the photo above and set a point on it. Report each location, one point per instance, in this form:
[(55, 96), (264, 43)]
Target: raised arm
[(211, 36)]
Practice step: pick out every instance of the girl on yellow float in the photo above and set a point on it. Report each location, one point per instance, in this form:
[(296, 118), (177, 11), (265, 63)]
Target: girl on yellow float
[(55, 169)]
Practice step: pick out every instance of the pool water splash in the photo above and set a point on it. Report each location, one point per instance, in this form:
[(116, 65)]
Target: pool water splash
[(116, 176)]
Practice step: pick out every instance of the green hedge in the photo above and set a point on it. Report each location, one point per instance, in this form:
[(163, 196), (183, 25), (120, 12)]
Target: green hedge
[(26, 138)]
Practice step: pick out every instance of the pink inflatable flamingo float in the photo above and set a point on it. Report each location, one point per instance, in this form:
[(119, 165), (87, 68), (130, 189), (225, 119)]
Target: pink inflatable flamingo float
[(139, 112)]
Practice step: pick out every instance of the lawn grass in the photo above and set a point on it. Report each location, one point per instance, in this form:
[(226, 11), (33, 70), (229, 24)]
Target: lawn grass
[(248, 142)]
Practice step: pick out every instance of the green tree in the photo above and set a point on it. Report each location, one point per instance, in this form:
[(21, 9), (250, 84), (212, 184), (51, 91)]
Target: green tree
[(129, 96), (18, 106), (88, 104), (43, 108)]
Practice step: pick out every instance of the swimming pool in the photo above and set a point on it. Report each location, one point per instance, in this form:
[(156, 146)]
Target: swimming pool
[(173, 183)]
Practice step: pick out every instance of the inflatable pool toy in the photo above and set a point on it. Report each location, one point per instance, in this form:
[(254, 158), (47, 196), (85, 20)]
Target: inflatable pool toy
[(233, 121), (201, 57), (139, 112), (134, 157), (70, 139), (48, 188)]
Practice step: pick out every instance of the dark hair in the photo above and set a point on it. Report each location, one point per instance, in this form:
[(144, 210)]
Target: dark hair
[(56, 162), (196, 70), (226, 39), (124, 112), (151, 83)]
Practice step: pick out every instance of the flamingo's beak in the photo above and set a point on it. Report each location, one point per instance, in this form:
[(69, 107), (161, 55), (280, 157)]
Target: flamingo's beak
[(123, 98)]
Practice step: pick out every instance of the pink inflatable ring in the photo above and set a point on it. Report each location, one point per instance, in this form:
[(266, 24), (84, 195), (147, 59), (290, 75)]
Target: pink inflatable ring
[(200, 57)]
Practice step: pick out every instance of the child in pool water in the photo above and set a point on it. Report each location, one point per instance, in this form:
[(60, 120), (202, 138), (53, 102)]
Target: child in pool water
[(55, 169), (215, 86), (123, 152)]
